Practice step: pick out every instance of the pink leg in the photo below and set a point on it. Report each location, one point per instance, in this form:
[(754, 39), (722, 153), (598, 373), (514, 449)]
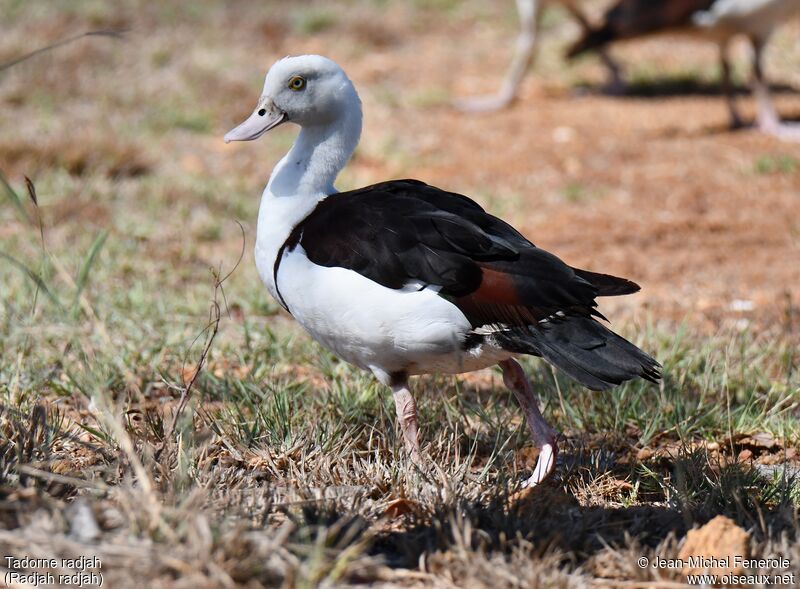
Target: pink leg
[(544, 437), (407, 418), (529, 11), (768, 120)]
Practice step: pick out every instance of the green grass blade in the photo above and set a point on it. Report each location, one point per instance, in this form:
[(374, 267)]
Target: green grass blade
[(83, 275), (15, 199), (35, 278)]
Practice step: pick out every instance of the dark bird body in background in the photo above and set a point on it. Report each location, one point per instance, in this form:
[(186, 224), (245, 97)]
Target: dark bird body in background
[(629, 19)]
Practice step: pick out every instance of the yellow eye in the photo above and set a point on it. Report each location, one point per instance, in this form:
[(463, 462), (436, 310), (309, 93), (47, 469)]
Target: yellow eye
[(297, 83)]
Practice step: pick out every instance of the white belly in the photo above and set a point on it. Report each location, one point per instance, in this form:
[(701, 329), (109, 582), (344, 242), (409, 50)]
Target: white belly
[(378, 328)]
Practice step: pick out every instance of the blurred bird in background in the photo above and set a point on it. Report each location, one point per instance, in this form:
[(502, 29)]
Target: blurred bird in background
[(719, 21)]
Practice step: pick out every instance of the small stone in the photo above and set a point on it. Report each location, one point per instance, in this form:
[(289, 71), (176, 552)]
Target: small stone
[(111, 518), (761, 440), (563, 134), (400, 507), (82, 524), (644, 454), (621, 485), (715, 548), (741, 305), (745, 455)]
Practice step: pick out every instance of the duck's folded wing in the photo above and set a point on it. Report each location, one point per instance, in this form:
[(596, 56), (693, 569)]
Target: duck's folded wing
[(408, 235)]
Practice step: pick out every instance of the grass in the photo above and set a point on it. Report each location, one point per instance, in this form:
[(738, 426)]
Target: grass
[(277, 425), (776, 164), (285, 468), (313, 20)]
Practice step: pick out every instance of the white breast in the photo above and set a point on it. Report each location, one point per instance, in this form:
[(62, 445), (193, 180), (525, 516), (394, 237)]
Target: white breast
[(277, 216), (378, 328)]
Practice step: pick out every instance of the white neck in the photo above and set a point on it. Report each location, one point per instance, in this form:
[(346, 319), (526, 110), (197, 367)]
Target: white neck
[(299, 181), (317, 156)]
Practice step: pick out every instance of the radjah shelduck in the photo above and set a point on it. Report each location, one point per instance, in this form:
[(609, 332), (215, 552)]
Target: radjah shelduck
[(717, 20), (402, 278)]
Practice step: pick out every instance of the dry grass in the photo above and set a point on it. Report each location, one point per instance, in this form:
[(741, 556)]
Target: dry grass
[(285, 468)]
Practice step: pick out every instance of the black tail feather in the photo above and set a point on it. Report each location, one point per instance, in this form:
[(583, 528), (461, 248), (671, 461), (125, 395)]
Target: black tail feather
[(608, 285), (585, 350)]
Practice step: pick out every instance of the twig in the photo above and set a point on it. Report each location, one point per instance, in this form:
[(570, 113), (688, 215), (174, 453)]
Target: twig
[(113, 33), (32, 193), (97, 486), (212, 328), (37, 280)]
